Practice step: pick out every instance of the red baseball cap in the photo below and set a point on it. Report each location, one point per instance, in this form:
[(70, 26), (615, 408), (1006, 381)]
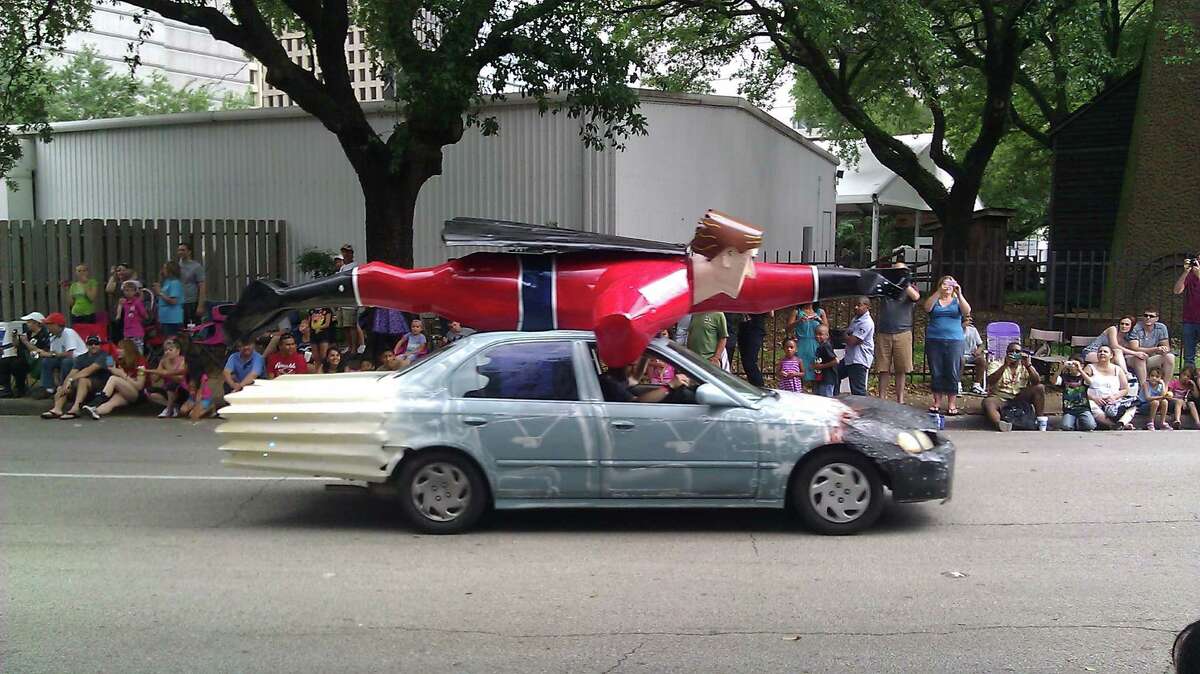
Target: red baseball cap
[(56, 318)]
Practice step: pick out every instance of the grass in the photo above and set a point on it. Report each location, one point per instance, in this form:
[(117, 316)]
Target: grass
[(1025, 297)]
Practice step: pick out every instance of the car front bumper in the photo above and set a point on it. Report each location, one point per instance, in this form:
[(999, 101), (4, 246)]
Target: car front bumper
[(922, 477)]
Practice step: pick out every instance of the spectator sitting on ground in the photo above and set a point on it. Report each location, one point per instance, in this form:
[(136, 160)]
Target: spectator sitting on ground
[(412, 346), (1154, 399), (82, 294), (89, 374), (860, 347), (1151, 338), (455, 331), (242, 367), (167, 380), (1012, 382), (1109, 392), (65, 346), (1185, 392), (36, 341), (1077, 411), (169, 290), (126, 384), (133, 315), (1114, 336), (287, 360), (974, 354), (388, 362), (199, 403), (333, 363), (825, 363)]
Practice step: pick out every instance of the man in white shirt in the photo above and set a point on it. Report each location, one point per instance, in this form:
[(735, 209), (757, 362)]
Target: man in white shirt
[(860, 347), (65, 344)]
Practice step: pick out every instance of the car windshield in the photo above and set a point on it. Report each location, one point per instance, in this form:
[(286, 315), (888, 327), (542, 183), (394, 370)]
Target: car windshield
[(695, 360), (438, 355)]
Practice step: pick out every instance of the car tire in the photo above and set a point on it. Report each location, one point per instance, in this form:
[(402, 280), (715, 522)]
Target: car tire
[(837, 492), (441, 492)]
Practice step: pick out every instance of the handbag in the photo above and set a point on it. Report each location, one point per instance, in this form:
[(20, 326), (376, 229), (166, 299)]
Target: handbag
[(1116, 409), (1021, 415)]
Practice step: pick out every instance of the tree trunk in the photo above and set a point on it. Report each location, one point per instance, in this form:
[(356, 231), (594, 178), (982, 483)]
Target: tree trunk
[(390, 190)]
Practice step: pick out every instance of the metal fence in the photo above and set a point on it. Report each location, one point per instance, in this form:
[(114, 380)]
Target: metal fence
[(37, 257)]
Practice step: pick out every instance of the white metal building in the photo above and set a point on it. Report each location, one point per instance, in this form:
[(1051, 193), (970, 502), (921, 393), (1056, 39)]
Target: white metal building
[(701, 152)]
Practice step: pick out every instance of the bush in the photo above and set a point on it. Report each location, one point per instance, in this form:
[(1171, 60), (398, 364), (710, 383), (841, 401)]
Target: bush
[(315, 261)]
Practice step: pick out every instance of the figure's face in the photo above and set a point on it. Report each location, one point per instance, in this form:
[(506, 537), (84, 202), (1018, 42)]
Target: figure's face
[(171, 350), (789, 349), (1150, 318), (1103, 354), (861, 308), (725, 272), (93, 349), (183, 252), (54, 328), (287, 346), (246, 350), (455, 326), (129, 291), (33, 327), (389, 360), (822, 334), (1125, 325), (81, 272), (334, 358), (1014, 353)]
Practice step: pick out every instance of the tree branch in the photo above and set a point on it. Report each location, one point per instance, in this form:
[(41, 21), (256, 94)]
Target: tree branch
[(1036, 134)]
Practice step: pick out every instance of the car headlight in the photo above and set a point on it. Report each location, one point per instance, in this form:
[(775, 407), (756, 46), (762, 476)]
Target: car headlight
[(913, 443)]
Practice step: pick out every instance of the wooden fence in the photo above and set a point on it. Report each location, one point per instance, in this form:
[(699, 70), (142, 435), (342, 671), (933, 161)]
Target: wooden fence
[(36, 257)]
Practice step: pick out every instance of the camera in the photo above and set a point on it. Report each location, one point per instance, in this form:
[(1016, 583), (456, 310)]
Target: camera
[(1192, 261)]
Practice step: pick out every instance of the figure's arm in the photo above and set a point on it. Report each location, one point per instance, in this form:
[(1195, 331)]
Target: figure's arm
[(964, 307), (626, 318), (776, 286)]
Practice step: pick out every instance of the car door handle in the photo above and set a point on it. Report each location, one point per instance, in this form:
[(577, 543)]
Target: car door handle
[(622, 425), (475, 421)]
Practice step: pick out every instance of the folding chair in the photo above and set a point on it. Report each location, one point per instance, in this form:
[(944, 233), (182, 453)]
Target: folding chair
[(1078, 343), (999, 335), (1044, 342)]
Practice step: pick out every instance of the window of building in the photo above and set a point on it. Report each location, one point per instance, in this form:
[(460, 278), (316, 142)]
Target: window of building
[(372, 94), (523, 371), (362, 74), (350, 56)]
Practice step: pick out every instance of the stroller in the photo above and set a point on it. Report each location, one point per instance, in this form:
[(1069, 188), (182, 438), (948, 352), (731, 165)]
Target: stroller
[(208, 338)]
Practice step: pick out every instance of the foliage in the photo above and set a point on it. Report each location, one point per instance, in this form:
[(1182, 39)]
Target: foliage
[(315, 261)]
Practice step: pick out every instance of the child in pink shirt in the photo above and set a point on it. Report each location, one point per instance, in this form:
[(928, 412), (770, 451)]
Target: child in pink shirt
[(133, 314)]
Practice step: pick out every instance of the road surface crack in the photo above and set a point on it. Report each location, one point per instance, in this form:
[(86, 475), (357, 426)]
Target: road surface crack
[(754, 543), (624, 658), (237, 512)]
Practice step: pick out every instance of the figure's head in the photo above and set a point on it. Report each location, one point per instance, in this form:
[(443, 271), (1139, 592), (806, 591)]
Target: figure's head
[(34, 321), (1013, 352), (946, 286), (287, 345), (723, 251), (789, 347), (967, 322), (94, 345), (81, 271), (171, 349), (338, 262), (1188, 372), (1104, 354), (333, 359), (347, 252), (387, 361), (55, 323), (1125, 324), (122, 271), (822, 333), (862, 305), (245, 347), (417, 327), (129, 289), (170, 269)]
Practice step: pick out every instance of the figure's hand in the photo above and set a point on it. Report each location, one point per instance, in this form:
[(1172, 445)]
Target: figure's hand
[(1164, 349), (680, 380), (715, 359), (1140, 355)]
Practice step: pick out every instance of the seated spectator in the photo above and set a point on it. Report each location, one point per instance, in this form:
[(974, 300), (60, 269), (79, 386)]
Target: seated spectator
[(242, 367), (199, 403), (1154, 399), (1013, 382), (825, 363), (412, 346), (1108, 391), (333, 363), (170, 299), (126, 384), (88, 375), (974, 354), (133, 314), (388, 361), (36, 342), (166, 387), (455, 331), (1150, 337), (14, 368), (287, 360), (59, 358), (1114, 336), (1077, 410), (81, 295), (1185, 394)]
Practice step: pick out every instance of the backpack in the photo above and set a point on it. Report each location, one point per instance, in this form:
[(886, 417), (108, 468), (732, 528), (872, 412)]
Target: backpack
[(1021, 415)]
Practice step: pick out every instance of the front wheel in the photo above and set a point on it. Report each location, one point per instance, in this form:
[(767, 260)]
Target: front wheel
[(838, 492), (441, 492)]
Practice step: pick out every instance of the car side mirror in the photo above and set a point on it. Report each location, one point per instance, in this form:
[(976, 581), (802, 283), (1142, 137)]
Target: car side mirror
[(710, 395)]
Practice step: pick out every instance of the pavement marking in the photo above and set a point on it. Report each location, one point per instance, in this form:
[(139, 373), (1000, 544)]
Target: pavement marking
[(99, 476)]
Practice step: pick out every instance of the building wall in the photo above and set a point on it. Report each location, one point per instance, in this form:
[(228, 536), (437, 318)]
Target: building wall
[(367, 85), (730, 159)]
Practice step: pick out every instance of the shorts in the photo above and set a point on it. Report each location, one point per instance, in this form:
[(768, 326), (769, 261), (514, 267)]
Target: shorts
[(347, 317), (893, 353), (325, 336)]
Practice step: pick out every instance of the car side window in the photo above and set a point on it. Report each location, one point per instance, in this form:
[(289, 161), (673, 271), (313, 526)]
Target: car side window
[(521, 371)]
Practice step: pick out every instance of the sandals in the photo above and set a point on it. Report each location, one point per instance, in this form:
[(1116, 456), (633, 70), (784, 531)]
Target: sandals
[(67, 416), (50, 414), (934, 409), (952, 412)]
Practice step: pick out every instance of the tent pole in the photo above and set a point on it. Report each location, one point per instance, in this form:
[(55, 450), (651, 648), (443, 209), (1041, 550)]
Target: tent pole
[(874, 227), (916, 227)]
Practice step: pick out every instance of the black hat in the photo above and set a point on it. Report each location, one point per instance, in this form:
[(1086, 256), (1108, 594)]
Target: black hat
[(94, 339)]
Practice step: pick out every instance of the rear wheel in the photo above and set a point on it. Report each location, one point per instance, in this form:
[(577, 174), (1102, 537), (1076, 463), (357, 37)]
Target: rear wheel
[(441, 492), (838, 492)]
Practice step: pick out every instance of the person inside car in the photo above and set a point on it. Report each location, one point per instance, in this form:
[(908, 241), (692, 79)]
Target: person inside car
[(619, 386)]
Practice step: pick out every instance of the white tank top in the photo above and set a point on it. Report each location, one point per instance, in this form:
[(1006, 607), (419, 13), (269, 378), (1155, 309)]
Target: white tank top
[(1105, 385)]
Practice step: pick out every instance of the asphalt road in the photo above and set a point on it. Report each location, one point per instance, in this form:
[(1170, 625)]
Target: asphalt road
[(1059, 553)]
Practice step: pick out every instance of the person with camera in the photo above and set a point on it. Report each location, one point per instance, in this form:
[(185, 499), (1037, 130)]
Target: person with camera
[(944, 342), (1013, 381), (1188, 285)]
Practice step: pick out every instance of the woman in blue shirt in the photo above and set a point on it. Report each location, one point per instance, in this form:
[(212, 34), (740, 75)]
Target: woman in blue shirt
[(170, 299), (944, 342)]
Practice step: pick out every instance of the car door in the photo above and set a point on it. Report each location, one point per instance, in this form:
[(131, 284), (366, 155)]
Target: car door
[(677, 450), (520, 402)]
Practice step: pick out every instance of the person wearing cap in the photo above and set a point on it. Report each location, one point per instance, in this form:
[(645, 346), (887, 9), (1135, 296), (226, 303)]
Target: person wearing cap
[(347, 317), (89, 374), (36, 343), (347, 256), (59, 356)]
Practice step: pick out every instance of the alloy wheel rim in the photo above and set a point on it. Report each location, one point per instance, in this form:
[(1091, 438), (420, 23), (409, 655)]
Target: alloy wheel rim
[(441, 492), (839, 493)]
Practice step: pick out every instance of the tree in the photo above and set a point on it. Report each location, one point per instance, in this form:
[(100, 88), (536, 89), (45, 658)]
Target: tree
[(446, 58), (977, 68)]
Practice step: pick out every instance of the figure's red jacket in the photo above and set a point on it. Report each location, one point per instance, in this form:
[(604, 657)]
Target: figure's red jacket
[(626, 298)]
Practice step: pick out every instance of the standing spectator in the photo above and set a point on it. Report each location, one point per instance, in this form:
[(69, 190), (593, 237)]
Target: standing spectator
[(1151, 338), (1077, 411), (825, 363), (1185, 393), (1188, 285), (412, 346), (117, 276), (455, 331), (243, 367), (944, 342), (1153, 399), (733, 324), (195, 289), (804, 322), (287, 360), (681, 329), (1011, 382), (171, 308), (347, 256), (1112, 405), (752, 332), (707, 335), (65, 346), (347, 317), (89, 375), (133, 315), (334, 364), (974, 354), (860, 347), (82, 294), (167, 379), (894, 343), (1115, 337), (791, 370), (36, 341), (126, 384)]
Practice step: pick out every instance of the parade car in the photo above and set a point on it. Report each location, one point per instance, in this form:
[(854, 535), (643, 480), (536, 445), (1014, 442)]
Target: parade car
[(512, 420)]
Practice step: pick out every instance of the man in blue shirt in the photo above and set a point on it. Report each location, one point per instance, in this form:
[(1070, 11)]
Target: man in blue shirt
[(1151, 338), (243, 367)]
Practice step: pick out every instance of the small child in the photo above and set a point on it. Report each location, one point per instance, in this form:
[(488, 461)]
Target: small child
[(791, 369), (825, 363), (133, 315), (1077, 411), (1185, 392), (659, 372), (413, 345), (1153, 399), (200, 398)]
